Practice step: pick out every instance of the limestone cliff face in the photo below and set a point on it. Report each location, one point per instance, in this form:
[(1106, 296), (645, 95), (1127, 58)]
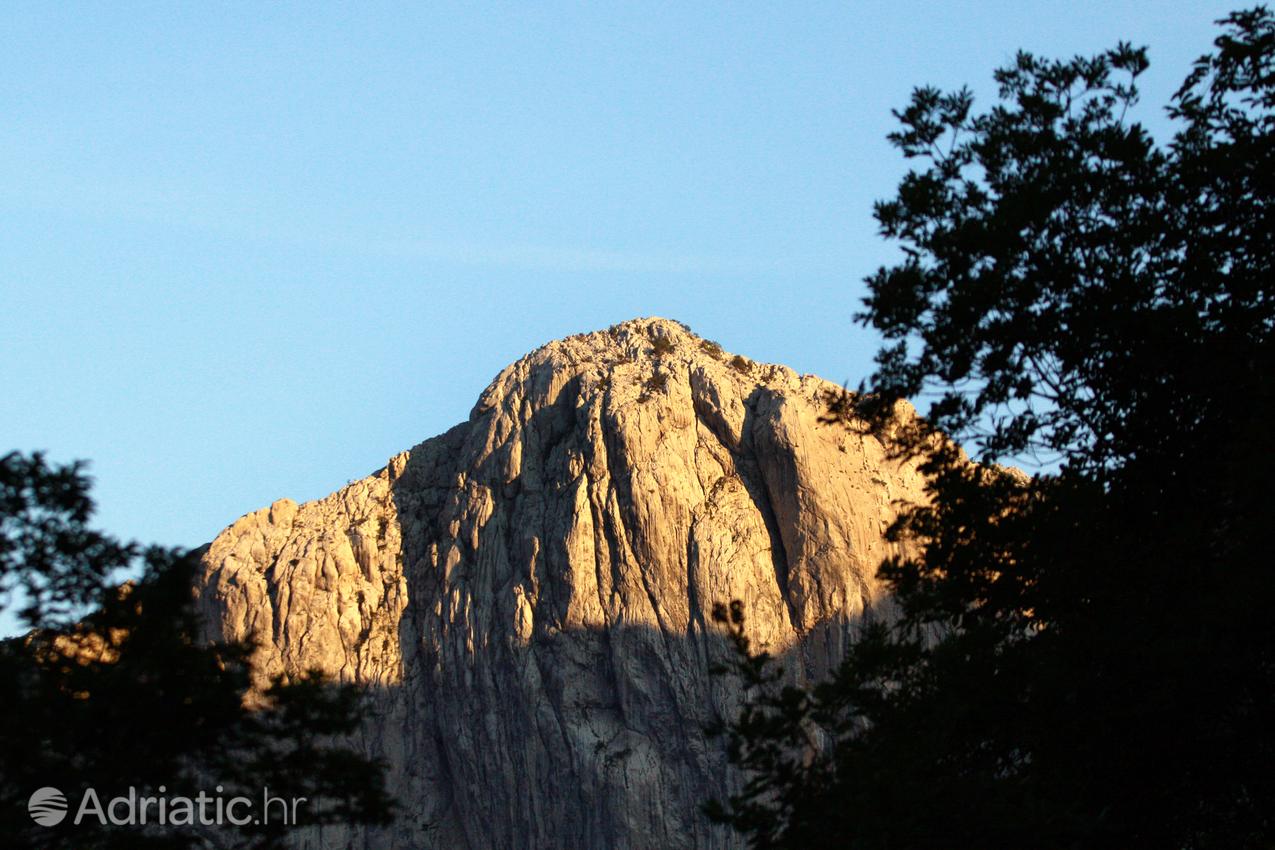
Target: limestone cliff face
[(528, 596)]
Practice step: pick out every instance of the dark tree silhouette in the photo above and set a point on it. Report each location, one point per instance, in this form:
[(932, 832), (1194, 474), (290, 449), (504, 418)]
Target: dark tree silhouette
[(114, 688), (1084, 658)]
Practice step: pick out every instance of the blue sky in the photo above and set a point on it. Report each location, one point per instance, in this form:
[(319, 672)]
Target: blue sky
[(250, 251)]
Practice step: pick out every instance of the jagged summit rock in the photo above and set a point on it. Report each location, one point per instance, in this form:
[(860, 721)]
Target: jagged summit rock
[(528, 595)]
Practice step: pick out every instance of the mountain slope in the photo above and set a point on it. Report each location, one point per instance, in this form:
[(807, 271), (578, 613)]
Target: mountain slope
[(529, 594)]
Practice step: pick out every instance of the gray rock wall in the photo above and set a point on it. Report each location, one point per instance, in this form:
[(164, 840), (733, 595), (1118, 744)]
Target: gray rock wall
[(528, 597)]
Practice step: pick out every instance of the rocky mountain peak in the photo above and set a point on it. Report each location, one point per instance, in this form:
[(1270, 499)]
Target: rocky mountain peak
[(632, 359), (528, 596)]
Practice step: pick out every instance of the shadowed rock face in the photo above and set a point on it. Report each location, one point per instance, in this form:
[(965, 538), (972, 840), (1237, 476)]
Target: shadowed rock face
[(528, 596)]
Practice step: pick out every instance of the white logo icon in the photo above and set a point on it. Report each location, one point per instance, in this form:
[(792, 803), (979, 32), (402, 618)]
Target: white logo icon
[(47, 807)]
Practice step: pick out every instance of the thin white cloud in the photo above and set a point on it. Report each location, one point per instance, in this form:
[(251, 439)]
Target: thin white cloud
[(239, 216)]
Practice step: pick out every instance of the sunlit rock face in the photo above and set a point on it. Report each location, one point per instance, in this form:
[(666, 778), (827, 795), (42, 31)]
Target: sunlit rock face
[(528, 596)]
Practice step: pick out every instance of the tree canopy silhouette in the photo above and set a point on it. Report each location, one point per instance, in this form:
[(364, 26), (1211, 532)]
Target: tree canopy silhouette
[(114, 688), (1084, 658)]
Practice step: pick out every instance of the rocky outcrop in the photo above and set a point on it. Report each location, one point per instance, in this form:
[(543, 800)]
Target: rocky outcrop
[(528, 596)]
